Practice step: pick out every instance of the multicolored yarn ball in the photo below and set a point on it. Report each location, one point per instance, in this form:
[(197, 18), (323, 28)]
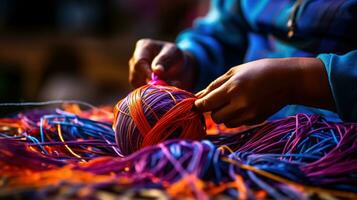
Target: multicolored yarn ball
[(154, 113)]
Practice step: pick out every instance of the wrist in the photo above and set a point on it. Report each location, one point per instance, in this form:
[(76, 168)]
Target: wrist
[(311, 87)]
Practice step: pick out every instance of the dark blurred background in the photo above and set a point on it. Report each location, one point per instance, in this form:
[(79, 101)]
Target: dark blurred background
[(79, 49)]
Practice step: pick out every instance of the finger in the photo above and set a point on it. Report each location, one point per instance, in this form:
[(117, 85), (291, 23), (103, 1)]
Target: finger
[(226, 113), (200, 93), (142, 67), (137, 80), (213, 100), (213, 85), (169, 56), (137, 75), (144, 53), (158, 69), (146, 50)]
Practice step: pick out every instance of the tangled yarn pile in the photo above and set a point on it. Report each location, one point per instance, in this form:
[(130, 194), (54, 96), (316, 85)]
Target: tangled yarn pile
[(71, 153)]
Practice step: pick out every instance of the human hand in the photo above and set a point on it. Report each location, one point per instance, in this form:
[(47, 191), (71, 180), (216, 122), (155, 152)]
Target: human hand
[(165, 59), (251, 92)]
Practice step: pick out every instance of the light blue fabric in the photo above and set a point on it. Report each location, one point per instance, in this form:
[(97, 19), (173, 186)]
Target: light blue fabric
[(342, 75)]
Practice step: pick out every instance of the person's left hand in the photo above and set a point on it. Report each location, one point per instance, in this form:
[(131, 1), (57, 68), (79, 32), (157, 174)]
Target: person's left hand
[(251, 92)]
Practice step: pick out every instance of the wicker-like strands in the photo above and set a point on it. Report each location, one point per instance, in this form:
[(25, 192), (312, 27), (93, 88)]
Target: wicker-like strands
[(298, 157)]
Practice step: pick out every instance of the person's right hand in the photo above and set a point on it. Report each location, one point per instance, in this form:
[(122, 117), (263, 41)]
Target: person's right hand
[(251, 92), (165, 59)]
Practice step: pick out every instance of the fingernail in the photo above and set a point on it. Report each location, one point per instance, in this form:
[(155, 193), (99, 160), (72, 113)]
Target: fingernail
[(159, 68), (200, 93), (197, 103)]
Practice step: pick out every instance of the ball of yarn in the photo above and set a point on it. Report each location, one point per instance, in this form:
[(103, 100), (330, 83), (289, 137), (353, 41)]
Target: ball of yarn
[(154, 113)]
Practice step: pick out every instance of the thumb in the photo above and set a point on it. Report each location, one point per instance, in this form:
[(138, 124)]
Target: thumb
[(158, 69), (213, 100)]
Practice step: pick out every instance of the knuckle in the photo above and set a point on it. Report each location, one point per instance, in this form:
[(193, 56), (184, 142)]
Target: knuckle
[(230, 71), (231, 89), (143, 42), (211, 85), (170, 46), (147, 44)]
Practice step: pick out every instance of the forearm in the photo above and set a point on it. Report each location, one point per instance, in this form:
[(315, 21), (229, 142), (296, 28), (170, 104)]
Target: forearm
[(217, 41)]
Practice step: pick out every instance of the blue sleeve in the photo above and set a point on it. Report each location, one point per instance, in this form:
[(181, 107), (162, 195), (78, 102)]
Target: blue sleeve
[(342, 75), (217, 40)]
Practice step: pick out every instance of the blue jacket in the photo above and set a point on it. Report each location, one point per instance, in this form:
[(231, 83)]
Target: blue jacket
[(237, 31)]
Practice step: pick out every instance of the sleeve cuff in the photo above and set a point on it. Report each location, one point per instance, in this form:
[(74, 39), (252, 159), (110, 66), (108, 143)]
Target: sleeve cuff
[(342, 76)]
